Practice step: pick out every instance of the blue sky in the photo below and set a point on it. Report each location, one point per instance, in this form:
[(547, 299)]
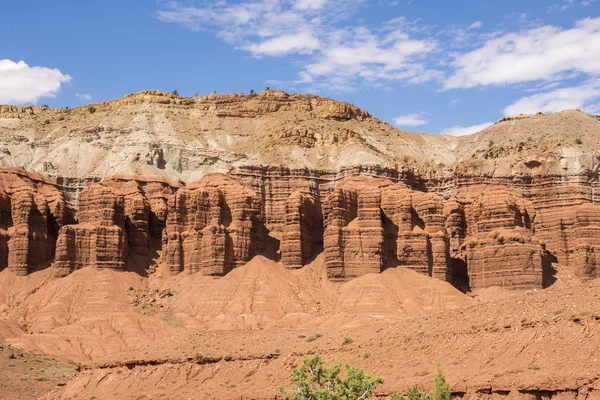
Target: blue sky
[(424, 65)]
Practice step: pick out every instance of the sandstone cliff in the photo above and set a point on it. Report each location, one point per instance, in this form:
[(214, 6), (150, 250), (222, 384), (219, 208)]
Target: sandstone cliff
[(130, 183)]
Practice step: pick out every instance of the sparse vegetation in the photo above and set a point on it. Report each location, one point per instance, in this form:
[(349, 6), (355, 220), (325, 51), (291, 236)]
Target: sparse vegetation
[(277, 350), (196, 94), (61, 118), (175, 93), (312, 380), (252, 91), (47, 122), (490, 143), (578, 141), (92, 109), (347, 340), (267, 88), (367, 355), (441, 390), (534, 367)]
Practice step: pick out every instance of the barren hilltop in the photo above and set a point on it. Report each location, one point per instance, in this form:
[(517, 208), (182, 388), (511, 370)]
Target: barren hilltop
[(172, 247), (157, 133)]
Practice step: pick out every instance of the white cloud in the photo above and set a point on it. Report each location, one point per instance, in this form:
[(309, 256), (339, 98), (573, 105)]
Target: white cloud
[(475, 25), (410, 120), (302, 42), (566, 4), (459, 130), (84, 96), (310, 4), (562, 6), (544, 53), (21, 84), (557, 100), (340, 54), (393, 56)]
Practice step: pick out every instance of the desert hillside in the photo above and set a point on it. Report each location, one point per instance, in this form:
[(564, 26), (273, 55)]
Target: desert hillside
[(156, 133), (172, 247)]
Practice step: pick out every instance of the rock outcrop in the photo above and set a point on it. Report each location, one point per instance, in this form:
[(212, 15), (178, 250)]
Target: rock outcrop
[(373, 224), (31, 212), (99, 239), (212, 226), (301, 175), (115, 218), (303, 231)]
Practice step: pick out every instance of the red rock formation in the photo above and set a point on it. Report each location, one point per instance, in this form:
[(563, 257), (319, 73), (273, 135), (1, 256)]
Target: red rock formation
[(511, 258), (302, 235), (500, 248), (372, 224), (99, 239), (501, 234), (115, 218), (421, 239), (31, 211), (568, 222), (211, 226)]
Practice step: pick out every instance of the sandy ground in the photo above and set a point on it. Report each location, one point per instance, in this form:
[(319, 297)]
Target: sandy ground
[(190, 336)]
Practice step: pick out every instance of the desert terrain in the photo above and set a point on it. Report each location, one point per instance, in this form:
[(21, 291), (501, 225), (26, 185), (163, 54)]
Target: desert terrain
[(166, 247)]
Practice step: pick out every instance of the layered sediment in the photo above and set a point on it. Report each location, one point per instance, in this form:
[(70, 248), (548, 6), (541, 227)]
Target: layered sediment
[(204, 184)]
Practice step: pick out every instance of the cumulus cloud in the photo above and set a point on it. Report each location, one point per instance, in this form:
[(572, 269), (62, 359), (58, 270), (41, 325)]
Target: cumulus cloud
[(84, 96), (556, 100), (22, 84), (410, 120), (539, 54), (359, 52), (459, 130)]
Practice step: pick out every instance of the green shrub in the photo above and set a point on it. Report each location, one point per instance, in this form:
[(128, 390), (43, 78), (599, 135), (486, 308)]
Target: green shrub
[(578, 141), (347, 340), (92, 109), (175, 93), (47, 122), (251, 91), (312, 380), (441, 390), (61, 118)]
